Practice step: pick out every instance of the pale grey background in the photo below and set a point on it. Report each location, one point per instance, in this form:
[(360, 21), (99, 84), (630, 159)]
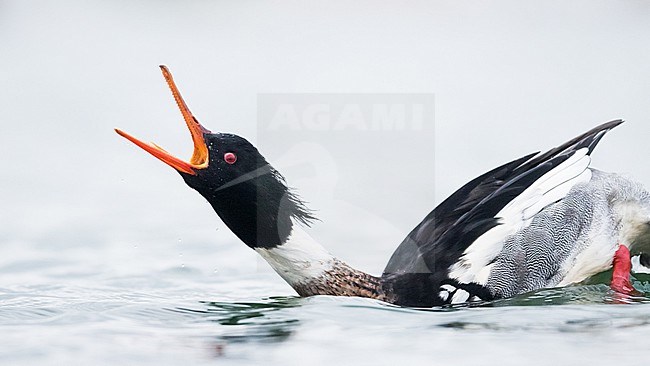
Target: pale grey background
[(509, 77)]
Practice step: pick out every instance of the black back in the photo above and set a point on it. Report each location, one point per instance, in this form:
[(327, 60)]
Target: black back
[(439, 240)]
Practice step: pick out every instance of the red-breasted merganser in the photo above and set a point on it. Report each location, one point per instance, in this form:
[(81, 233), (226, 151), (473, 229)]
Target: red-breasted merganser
[(543, 220)]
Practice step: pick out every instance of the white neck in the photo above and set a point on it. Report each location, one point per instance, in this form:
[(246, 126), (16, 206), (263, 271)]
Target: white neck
[(300, 259)]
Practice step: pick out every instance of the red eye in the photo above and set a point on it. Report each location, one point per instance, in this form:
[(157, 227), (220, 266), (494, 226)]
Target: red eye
[(230, 158)]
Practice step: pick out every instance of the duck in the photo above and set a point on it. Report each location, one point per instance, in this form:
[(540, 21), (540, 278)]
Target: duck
[(547, 219)]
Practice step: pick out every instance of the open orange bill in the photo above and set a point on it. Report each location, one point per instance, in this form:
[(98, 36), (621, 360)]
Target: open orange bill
[(199, 159)]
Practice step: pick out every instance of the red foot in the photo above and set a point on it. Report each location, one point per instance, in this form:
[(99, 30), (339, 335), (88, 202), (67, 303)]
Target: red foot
[(621, 273)]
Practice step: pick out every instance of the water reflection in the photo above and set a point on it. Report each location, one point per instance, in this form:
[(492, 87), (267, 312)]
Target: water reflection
[(595, 290), (259, 321)]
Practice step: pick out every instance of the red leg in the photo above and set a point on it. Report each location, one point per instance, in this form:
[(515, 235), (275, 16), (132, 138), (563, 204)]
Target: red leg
[(621, 273)]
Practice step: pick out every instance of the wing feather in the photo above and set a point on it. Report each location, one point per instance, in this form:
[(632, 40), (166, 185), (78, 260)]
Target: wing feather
[(455, 243)]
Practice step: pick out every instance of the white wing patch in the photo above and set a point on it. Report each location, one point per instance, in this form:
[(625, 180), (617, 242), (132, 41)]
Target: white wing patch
[(458, 295), (474, 264), (444, 295), (448, 288)]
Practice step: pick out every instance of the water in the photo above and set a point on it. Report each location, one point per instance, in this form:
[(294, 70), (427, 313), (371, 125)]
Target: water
[(159, 308)]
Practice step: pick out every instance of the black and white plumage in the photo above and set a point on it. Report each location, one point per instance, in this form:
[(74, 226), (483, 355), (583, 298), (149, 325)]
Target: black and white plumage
[(539, 221)]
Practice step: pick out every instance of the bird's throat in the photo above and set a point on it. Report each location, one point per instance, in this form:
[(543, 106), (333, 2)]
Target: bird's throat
[(311, 270), (299, 259)]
